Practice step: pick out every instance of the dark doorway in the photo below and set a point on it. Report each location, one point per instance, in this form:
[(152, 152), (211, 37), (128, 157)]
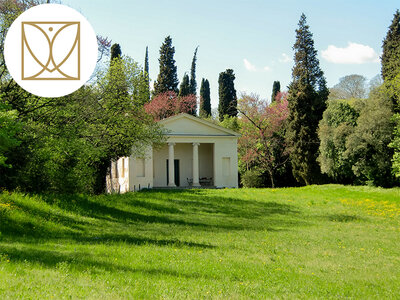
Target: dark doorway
[(176, 169)]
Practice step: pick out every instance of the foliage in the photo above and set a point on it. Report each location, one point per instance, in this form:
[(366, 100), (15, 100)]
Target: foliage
[(9, 127), (307, 97), (116, 52), (205, 100), (393, 89), (146, 71), (375, 82), (184, 92), (184, 88), (262, 142), (168, 104), (68, 143), (350, 86), (193, 83), (167, 80), (395, 144), (367, 146), (314, 242), (252, 178), (338, 122), (276, 88), (391, 50), (230, 123), (227, 95)]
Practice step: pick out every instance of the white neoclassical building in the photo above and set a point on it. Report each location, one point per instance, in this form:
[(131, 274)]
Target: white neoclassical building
[(197, 153)]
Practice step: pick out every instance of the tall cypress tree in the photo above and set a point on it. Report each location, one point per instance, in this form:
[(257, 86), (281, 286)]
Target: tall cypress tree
[(227, 95), (115, 51), (307, 101), (146, 71), (193, 83), (205, 100), (146, 61), (391, 50), (184, 88), (167, 80), (276, 88)]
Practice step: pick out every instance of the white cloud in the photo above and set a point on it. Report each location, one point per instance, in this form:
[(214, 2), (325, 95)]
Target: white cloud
[(284, 58), (252, 68), (353, 54), (249, 66)]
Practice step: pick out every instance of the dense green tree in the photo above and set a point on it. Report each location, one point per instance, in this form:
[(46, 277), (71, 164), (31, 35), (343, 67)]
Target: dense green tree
[(184, 88), (205, 100), (338, 122), (350, 86), (67, 143), (395, 144), (276, 88), (9, 128), (391, 77), (146, 71), (193, 83), (167, 79), (227, 95), (116, 52), (367, 147), (391, 50), (146, 61), (393, 89), (307, 101)]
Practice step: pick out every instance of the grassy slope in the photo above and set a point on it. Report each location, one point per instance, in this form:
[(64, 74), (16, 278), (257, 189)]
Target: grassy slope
[(325, 241)]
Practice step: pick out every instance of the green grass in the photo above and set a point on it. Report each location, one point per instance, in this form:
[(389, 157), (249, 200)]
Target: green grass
[(326, 241)]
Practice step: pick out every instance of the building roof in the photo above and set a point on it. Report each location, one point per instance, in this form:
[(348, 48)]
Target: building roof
[(187, 125)]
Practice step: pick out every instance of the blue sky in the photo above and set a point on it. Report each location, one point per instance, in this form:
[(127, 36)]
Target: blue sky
[(253, 37)]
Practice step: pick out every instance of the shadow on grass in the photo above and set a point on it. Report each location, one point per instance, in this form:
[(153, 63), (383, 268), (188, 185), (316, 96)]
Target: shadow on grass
[(343, 218), (112, 239), (196, 210), (81, 261)]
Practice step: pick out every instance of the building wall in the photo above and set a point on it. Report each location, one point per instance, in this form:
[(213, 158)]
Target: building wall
[(206, 160), (141, 171), (123, 174), (226, 163)]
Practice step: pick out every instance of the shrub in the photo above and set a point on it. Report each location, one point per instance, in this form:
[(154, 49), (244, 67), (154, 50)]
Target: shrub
[(252, 179)]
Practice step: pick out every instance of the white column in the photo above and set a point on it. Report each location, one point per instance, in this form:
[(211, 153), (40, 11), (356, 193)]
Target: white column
[(196, 164), (171, 169)]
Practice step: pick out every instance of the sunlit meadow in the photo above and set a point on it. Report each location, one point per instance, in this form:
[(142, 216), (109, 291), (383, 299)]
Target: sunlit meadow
[(327, 241)]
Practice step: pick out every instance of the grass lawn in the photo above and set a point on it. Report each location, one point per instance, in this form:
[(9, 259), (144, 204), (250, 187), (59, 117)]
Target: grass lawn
[(327, 241)]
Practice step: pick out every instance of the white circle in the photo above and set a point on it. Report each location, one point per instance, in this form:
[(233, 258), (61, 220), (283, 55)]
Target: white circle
[(50, 29)]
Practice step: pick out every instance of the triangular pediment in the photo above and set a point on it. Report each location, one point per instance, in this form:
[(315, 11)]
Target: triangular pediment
[(185, 124)]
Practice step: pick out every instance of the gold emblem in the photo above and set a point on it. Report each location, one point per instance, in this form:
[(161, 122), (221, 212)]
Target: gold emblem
[(51, 67)]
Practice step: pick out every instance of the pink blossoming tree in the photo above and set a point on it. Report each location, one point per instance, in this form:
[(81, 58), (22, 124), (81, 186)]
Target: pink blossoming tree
[(167, 104), (262, 142)]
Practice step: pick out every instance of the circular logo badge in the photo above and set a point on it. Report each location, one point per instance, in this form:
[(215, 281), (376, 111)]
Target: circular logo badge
[(50, 50)]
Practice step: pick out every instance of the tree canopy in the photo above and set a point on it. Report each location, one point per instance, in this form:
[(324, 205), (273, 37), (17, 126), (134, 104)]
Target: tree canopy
[(391, 49), (167, 79), (307, 101), (227, 95), (205, 100), (350, 86)]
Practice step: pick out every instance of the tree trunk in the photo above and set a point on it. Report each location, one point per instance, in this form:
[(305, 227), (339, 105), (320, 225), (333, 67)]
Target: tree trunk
[(102, 169), (271, 176)]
